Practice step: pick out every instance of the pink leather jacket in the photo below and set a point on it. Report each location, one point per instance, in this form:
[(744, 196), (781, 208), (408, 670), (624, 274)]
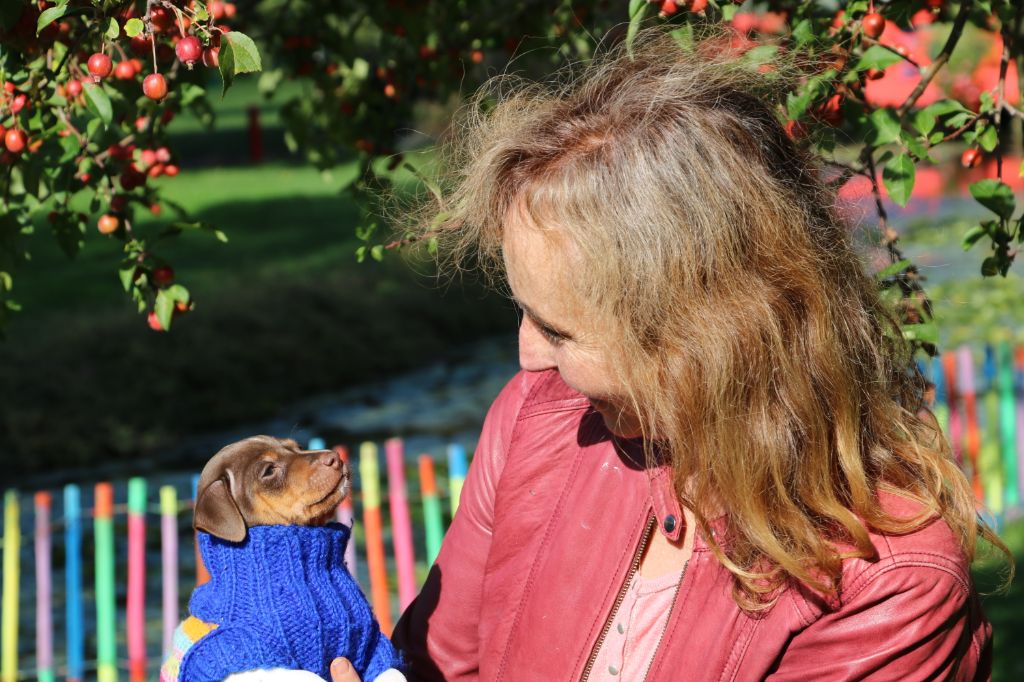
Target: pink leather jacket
[(550, 525)]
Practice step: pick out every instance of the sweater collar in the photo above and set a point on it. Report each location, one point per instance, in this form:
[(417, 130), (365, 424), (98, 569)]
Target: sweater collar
[(269, 554)]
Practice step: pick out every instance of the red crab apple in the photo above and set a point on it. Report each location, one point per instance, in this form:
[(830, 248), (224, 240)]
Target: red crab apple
[(162, 19), (211, 57), (99, 66), (163, 275), (970, 158), (124, 71), (873, 24), (189, 50), (154, 86), (108, 223), (73, 88), (15, 140), (154, 321)]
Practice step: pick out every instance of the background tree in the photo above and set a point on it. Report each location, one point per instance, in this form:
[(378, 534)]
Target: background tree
[(91, 87)]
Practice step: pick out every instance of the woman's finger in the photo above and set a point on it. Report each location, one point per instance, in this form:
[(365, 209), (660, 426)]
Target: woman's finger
[(342, 671)]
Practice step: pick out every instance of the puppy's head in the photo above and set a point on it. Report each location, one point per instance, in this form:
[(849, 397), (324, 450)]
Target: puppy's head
[(263, 481)]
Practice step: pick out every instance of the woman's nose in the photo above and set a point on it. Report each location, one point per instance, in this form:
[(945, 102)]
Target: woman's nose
[(535, 352)]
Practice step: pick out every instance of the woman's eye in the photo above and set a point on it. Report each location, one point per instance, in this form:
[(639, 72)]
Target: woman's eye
[(554, 338)]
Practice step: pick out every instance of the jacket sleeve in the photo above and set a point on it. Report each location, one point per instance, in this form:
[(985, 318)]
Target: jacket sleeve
[(438, 633), (905, 622)]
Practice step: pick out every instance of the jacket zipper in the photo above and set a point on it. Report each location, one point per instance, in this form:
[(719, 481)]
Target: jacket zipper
[(633, 568), (668, 620)]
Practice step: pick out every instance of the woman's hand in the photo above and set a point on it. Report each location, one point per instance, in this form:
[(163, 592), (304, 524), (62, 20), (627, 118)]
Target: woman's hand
[(342, 671)]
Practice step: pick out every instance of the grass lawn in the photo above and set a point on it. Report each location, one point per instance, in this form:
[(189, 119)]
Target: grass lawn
[(277, 217), (283, 311), (1005, 611)]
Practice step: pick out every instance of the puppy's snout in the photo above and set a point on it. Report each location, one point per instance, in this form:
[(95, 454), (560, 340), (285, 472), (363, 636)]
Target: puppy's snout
[(330, 459)]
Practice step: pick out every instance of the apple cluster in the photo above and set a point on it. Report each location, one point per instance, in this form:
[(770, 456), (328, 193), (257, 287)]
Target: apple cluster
[(88, 92)]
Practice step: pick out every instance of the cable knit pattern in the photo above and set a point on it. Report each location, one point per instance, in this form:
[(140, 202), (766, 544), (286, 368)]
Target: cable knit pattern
[(282, 598)]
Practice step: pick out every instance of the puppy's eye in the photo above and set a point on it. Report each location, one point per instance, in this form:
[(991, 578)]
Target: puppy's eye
[(269, 469)]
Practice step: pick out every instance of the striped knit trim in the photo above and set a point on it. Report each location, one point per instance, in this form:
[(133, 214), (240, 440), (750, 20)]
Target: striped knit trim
[(188, 632)]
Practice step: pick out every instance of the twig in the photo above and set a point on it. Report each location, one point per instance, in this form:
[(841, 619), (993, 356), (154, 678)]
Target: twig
[(892, 49), (1004, 63), (1012, 110), (889, 235), (398, 243), (940, 61), (964, 128)]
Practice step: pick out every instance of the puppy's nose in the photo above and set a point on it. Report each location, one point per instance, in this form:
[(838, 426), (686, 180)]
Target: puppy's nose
[(329, 458)]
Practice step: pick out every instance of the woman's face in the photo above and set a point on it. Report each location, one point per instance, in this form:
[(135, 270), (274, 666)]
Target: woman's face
[(558, 331)]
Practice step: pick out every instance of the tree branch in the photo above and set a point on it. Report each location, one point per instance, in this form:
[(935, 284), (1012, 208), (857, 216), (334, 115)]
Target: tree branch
[(954, 37)]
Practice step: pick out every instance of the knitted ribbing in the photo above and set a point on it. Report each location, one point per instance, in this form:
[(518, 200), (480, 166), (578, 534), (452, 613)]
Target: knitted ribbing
[(282, 598)]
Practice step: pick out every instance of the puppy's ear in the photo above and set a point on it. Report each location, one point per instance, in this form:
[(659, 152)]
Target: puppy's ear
[(217, 514)]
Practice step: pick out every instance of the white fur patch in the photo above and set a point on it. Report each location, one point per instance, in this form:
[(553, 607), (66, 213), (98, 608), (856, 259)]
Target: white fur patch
[(283, 675)]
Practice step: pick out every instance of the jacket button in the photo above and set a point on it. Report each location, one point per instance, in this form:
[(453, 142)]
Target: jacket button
[(670, 523)]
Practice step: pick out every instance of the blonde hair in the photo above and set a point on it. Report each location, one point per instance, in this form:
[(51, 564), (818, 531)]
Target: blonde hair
[(749, 338)]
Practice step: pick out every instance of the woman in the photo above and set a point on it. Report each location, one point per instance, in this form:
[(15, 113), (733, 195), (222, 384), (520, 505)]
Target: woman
[(712, 465)]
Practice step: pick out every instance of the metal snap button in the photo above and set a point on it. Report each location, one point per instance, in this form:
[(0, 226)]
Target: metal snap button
[(670, 523)]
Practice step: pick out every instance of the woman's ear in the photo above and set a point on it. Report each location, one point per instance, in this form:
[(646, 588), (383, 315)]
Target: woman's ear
[(217, 514)]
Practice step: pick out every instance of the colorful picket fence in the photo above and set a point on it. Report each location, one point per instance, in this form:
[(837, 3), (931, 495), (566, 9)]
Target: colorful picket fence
[(132, 656), (982, 413)]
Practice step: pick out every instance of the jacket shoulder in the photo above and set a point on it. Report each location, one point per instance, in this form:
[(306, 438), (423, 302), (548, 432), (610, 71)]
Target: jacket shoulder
[(929, 553), (929, 548)]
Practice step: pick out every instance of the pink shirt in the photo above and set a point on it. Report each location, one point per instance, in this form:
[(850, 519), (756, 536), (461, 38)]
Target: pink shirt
[(636, 629)]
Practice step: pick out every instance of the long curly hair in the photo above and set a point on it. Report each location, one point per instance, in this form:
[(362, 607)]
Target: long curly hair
[(750, 341)]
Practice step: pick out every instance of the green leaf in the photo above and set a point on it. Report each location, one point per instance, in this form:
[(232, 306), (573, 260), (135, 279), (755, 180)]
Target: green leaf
[(803, 32), (972, 236), (959, 119), (113, 30), (876, 57), (127, 275), (51, 15), (988, 138), (990, 267), (761, 54), (134, 27), (98, 102), (238, 54), (994, 195), (898, 176), (177, 293), (377, 252), (914, 145), (886, 126), (987, 102), (164, 308), (925, 331), (190, 92), (892, 269), (637, 10)]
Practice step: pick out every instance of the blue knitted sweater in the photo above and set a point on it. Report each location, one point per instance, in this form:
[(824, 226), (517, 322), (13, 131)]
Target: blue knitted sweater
[(282, 598)]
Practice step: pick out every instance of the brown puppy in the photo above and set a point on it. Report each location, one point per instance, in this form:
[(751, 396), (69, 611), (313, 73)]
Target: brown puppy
[(264, 480)]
